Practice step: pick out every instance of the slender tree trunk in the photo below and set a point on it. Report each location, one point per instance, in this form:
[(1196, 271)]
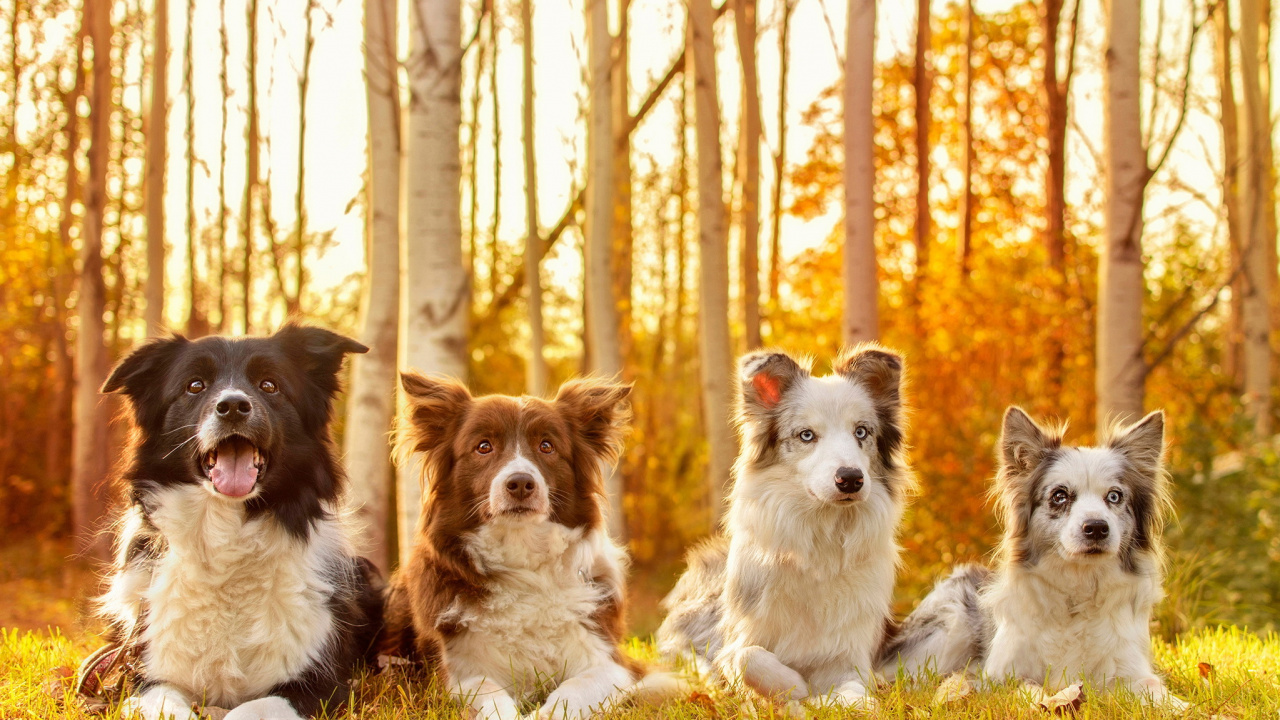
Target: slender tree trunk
[(371, 408), (294, 303), (601, 312), (494, 248), (749, 169), (197, 324), (473, 159), (156, 156), (536, 376), (923, 87), (622, 233), (1120, 365), (713, 258), (1253, 196), (1231, 162), (966, 164), (434, 285), (780, 155), (861, 314), (251, 168), (91, 457), (223, 264), (1057, 92)]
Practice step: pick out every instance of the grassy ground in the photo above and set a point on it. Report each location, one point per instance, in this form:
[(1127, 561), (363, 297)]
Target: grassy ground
[(1243, 681)]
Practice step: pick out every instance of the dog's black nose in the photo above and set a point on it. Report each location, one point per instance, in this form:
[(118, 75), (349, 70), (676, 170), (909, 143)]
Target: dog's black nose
[(235, 406), (521, 485), (849, 480), (1096, 529)]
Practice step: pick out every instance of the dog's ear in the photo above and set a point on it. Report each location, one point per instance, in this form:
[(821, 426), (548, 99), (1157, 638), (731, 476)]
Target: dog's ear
[(1142, 442), (599, 412), (319, 351), (141, 370), (878, 369), (766, 378), (434, 408), (1023, 443)]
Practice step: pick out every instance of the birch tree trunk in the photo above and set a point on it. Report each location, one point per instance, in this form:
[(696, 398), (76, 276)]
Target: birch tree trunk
[(251, 167), (924, 88), (603, 352), (622, 234), (372, 404), (780, 155), (434, 287), (293, 304), (861, 314), (1256, 319), (749, 171), (713, 258), (197, 325), (1120, 371), (536, 376), (1229, 120), (91, 451), (223, 212), (156, 156)]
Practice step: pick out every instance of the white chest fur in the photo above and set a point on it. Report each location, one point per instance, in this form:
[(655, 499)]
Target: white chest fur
[(235, 607), (534, 624)]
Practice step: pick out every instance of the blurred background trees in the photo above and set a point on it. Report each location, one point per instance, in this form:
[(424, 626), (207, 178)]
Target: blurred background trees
[(1063, 204)]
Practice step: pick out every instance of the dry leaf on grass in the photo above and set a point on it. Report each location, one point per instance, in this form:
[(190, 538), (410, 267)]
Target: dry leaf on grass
[(1069, 699), (954, 688), (705, 702), (1205, 670)]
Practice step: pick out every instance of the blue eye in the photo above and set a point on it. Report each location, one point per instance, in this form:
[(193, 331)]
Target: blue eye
[(1114, 497), (807, 436), (860, 433), (1058, 498)]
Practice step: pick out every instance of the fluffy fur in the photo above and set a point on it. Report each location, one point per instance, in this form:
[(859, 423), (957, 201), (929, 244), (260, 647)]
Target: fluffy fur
[(793, 600), (237, 580), (1080, 567), (513, 585)]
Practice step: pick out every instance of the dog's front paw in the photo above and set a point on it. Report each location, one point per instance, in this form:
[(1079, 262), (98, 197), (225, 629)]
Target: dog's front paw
[(267, 708), (161, 702), (1152, 691), (851, 695)]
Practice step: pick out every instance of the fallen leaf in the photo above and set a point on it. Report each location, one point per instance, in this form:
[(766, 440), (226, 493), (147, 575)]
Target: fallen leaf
[(64, 673), (1205, 670), (1069, 699), (705, 702), (953, 689)]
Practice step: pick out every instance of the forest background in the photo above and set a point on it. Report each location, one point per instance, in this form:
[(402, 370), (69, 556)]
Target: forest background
[(1063, 204)]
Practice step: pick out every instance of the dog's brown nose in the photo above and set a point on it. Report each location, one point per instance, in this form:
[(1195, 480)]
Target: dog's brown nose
[(1096, 529), (849, 479), (521, 485)]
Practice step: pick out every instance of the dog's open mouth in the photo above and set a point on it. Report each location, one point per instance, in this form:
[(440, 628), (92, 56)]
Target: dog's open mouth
[(234, 466)]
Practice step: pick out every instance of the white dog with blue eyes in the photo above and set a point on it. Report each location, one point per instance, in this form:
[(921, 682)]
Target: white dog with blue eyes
[(1080, 568), (792, 601)]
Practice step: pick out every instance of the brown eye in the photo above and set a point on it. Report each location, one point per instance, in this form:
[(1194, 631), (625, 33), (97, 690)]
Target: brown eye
[(268, 387), (485, 447), (195, 387), (546, 447)]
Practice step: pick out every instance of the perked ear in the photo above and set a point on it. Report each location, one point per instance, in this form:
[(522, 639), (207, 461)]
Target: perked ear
[(876, 367), (1023, 443), (138, 371), (318, 350), (599, 412), (1142, 442), (766, 378), (434, 408)]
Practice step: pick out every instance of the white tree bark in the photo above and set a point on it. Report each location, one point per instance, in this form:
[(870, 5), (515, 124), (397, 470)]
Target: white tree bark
[(713, 293), (1120, 367), (91, 452), (372, 403), (157, 134), (434, 285), (861, 313), (1256, 322), (749, 170), (536, 375), (601, 312)]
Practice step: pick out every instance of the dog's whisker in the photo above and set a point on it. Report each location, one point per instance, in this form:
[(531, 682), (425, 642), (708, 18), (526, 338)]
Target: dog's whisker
[(179, 445)]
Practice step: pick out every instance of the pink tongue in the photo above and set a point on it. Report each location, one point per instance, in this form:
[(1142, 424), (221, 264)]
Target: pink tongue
[(234, 473)]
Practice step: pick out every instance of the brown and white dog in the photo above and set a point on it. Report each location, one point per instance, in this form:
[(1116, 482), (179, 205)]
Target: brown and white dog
[(513, 584)]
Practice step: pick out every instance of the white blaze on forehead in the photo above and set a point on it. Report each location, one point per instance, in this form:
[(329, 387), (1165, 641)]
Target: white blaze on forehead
[(1086, 470), (518, 464), (831, 402)]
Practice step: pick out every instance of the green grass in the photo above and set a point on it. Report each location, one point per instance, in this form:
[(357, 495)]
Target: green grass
[(1244, 683)]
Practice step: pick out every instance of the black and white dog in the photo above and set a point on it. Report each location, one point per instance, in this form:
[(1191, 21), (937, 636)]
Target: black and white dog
[(234, 580), (794, 599), (1080, 568)]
